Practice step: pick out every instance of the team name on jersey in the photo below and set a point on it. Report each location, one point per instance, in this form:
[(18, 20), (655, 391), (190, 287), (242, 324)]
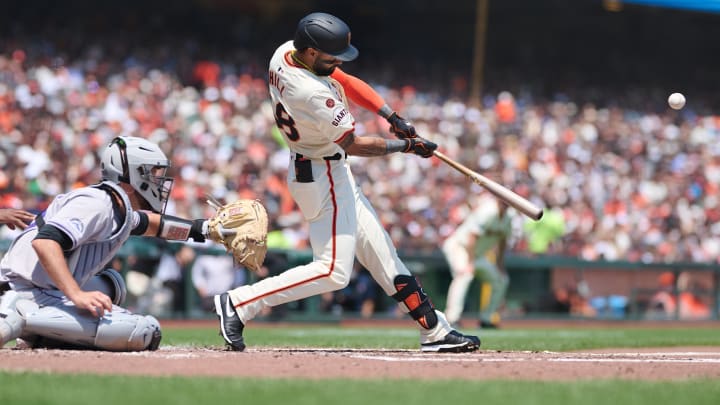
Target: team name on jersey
[(339, 117), (274, 80)]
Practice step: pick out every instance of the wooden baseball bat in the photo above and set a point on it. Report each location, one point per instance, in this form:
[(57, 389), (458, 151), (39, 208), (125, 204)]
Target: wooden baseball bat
[(505, 194)]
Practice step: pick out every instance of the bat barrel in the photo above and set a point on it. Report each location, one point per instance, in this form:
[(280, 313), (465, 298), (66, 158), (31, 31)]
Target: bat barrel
[(503, 193)]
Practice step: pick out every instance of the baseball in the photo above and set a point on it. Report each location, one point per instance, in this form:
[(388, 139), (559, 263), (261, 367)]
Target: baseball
[(676, 101)]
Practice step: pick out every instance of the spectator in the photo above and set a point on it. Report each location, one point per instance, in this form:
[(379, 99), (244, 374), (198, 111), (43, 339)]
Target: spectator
[(663, 303), (691, 306), (562, 300), (541, 234), (677, 299), (214, 274), (168, 296), (359, 296)]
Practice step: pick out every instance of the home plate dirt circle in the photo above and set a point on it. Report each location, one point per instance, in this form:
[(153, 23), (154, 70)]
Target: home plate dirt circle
[(311, 363)]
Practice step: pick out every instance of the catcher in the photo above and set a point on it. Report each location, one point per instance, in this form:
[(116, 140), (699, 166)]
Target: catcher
[(56, 288)]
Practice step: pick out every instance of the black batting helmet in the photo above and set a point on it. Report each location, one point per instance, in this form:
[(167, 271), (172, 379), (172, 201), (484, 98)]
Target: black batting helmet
[(326, 33)]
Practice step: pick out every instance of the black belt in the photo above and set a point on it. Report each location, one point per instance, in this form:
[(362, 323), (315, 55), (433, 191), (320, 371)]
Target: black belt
[(336, 156), (303, 167)]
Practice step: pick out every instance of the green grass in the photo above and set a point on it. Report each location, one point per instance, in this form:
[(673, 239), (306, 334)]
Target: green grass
[(407, 338), (42, 388), (39, 388)]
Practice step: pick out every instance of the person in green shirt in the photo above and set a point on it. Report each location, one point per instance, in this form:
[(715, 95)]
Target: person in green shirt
[(540, 234)]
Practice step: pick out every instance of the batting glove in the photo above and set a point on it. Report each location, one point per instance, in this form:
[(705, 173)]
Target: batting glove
[(420, 146), (401, 127)]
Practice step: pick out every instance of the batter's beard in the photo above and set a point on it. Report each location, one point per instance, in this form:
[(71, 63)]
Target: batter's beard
[(325, 72)]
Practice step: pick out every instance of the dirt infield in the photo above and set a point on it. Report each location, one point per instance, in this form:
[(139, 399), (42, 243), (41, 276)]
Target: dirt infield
[(639, 364), (678, 363)]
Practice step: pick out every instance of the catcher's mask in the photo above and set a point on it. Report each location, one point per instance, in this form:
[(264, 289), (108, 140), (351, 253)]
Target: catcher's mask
[(141, 164)]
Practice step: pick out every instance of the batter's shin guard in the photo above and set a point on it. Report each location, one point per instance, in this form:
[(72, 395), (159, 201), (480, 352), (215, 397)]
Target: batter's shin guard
[(410, 292)]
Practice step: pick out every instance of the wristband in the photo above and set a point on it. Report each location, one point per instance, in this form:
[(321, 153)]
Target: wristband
[(385, 111), (397, 145), (174, 228)]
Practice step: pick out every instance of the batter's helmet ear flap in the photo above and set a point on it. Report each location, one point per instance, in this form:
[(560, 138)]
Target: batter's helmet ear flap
[(326, 33)]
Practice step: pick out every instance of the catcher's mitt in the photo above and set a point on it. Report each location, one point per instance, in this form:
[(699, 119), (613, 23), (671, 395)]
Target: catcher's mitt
[(241, 227)]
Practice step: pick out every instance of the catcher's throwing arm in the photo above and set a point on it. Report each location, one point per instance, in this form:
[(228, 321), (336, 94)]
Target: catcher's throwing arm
[(499, 191)]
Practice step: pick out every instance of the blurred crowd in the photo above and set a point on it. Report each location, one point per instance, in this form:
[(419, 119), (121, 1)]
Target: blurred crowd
[(628, 183)]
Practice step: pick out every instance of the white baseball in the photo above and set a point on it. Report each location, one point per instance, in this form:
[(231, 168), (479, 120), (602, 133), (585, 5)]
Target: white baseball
[(676, 101)]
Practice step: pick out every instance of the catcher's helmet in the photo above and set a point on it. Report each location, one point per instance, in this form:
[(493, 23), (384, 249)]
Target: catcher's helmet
[(326, 33), (140, 163)]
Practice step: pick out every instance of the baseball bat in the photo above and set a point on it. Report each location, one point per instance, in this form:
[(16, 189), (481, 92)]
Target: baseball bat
[(505, 194)]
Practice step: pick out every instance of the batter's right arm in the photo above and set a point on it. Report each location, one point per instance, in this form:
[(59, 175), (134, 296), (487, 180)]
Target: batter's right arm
[(374, 146)]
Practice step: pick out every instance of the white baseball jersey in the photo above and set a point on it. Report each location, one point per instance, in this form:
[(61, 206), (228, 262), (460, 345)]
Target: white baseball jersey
[(484, 223), (313, 114), (86, 215), (488, 229), (311, 111)]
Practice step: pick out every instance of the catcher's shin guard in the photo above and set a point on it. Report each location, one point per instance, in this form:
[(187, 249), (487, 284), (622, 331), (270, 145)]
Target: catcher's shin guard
[(410, 293)]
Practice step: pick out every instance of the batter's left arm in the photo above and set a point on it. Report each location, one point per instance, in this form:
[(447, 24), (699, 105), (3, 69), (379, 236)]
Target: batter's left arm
[(365, 96)]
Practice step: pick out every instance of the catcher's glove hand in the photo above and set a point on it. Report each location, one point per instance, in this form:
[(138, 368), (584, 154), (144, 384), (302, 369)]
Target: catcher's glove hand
[(241, 227)]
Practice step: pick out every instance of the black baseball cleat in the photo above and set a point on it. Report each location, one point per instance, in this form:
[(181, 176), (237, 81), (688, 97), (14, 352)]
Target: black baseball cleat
[(231, 327), (454, 342)]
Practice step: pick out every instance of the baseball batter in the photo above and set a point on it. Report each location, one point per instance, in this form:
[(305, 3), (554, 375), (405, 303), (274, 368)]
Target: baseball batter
[(56, 289), (310, 99), (483, 233)]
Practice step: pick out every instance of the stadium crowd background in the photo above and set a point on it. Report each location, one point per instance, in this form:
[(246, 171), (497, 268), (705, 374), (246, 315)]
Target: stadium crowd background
[(590, 138)]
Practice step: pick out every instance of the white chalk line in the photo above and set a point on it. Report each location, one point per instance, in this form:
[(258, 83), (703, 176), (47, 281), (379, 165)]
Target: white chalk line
[(621, 360), (706, 358), (413, 355)]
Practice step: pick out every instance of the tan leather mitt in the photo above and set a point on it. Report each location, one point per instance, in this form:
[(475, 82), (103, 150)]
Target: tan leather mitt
[(241, 227)]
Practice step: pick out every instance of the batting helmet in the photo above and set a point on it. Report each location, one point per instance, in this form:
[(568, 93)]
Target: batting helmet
[(326, 33), (140, 163)]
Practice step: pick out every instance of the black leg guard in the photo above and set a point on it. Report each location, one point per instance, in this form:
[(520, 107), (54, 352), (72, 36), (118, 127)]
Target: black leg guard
[(410, 293)]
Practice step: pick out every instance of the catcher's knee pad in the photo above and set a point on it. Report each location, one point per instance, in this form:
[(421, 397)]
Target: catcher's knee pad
[(8, 300), (410, 292), (11, 326), (111, 283), (124, 332)]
